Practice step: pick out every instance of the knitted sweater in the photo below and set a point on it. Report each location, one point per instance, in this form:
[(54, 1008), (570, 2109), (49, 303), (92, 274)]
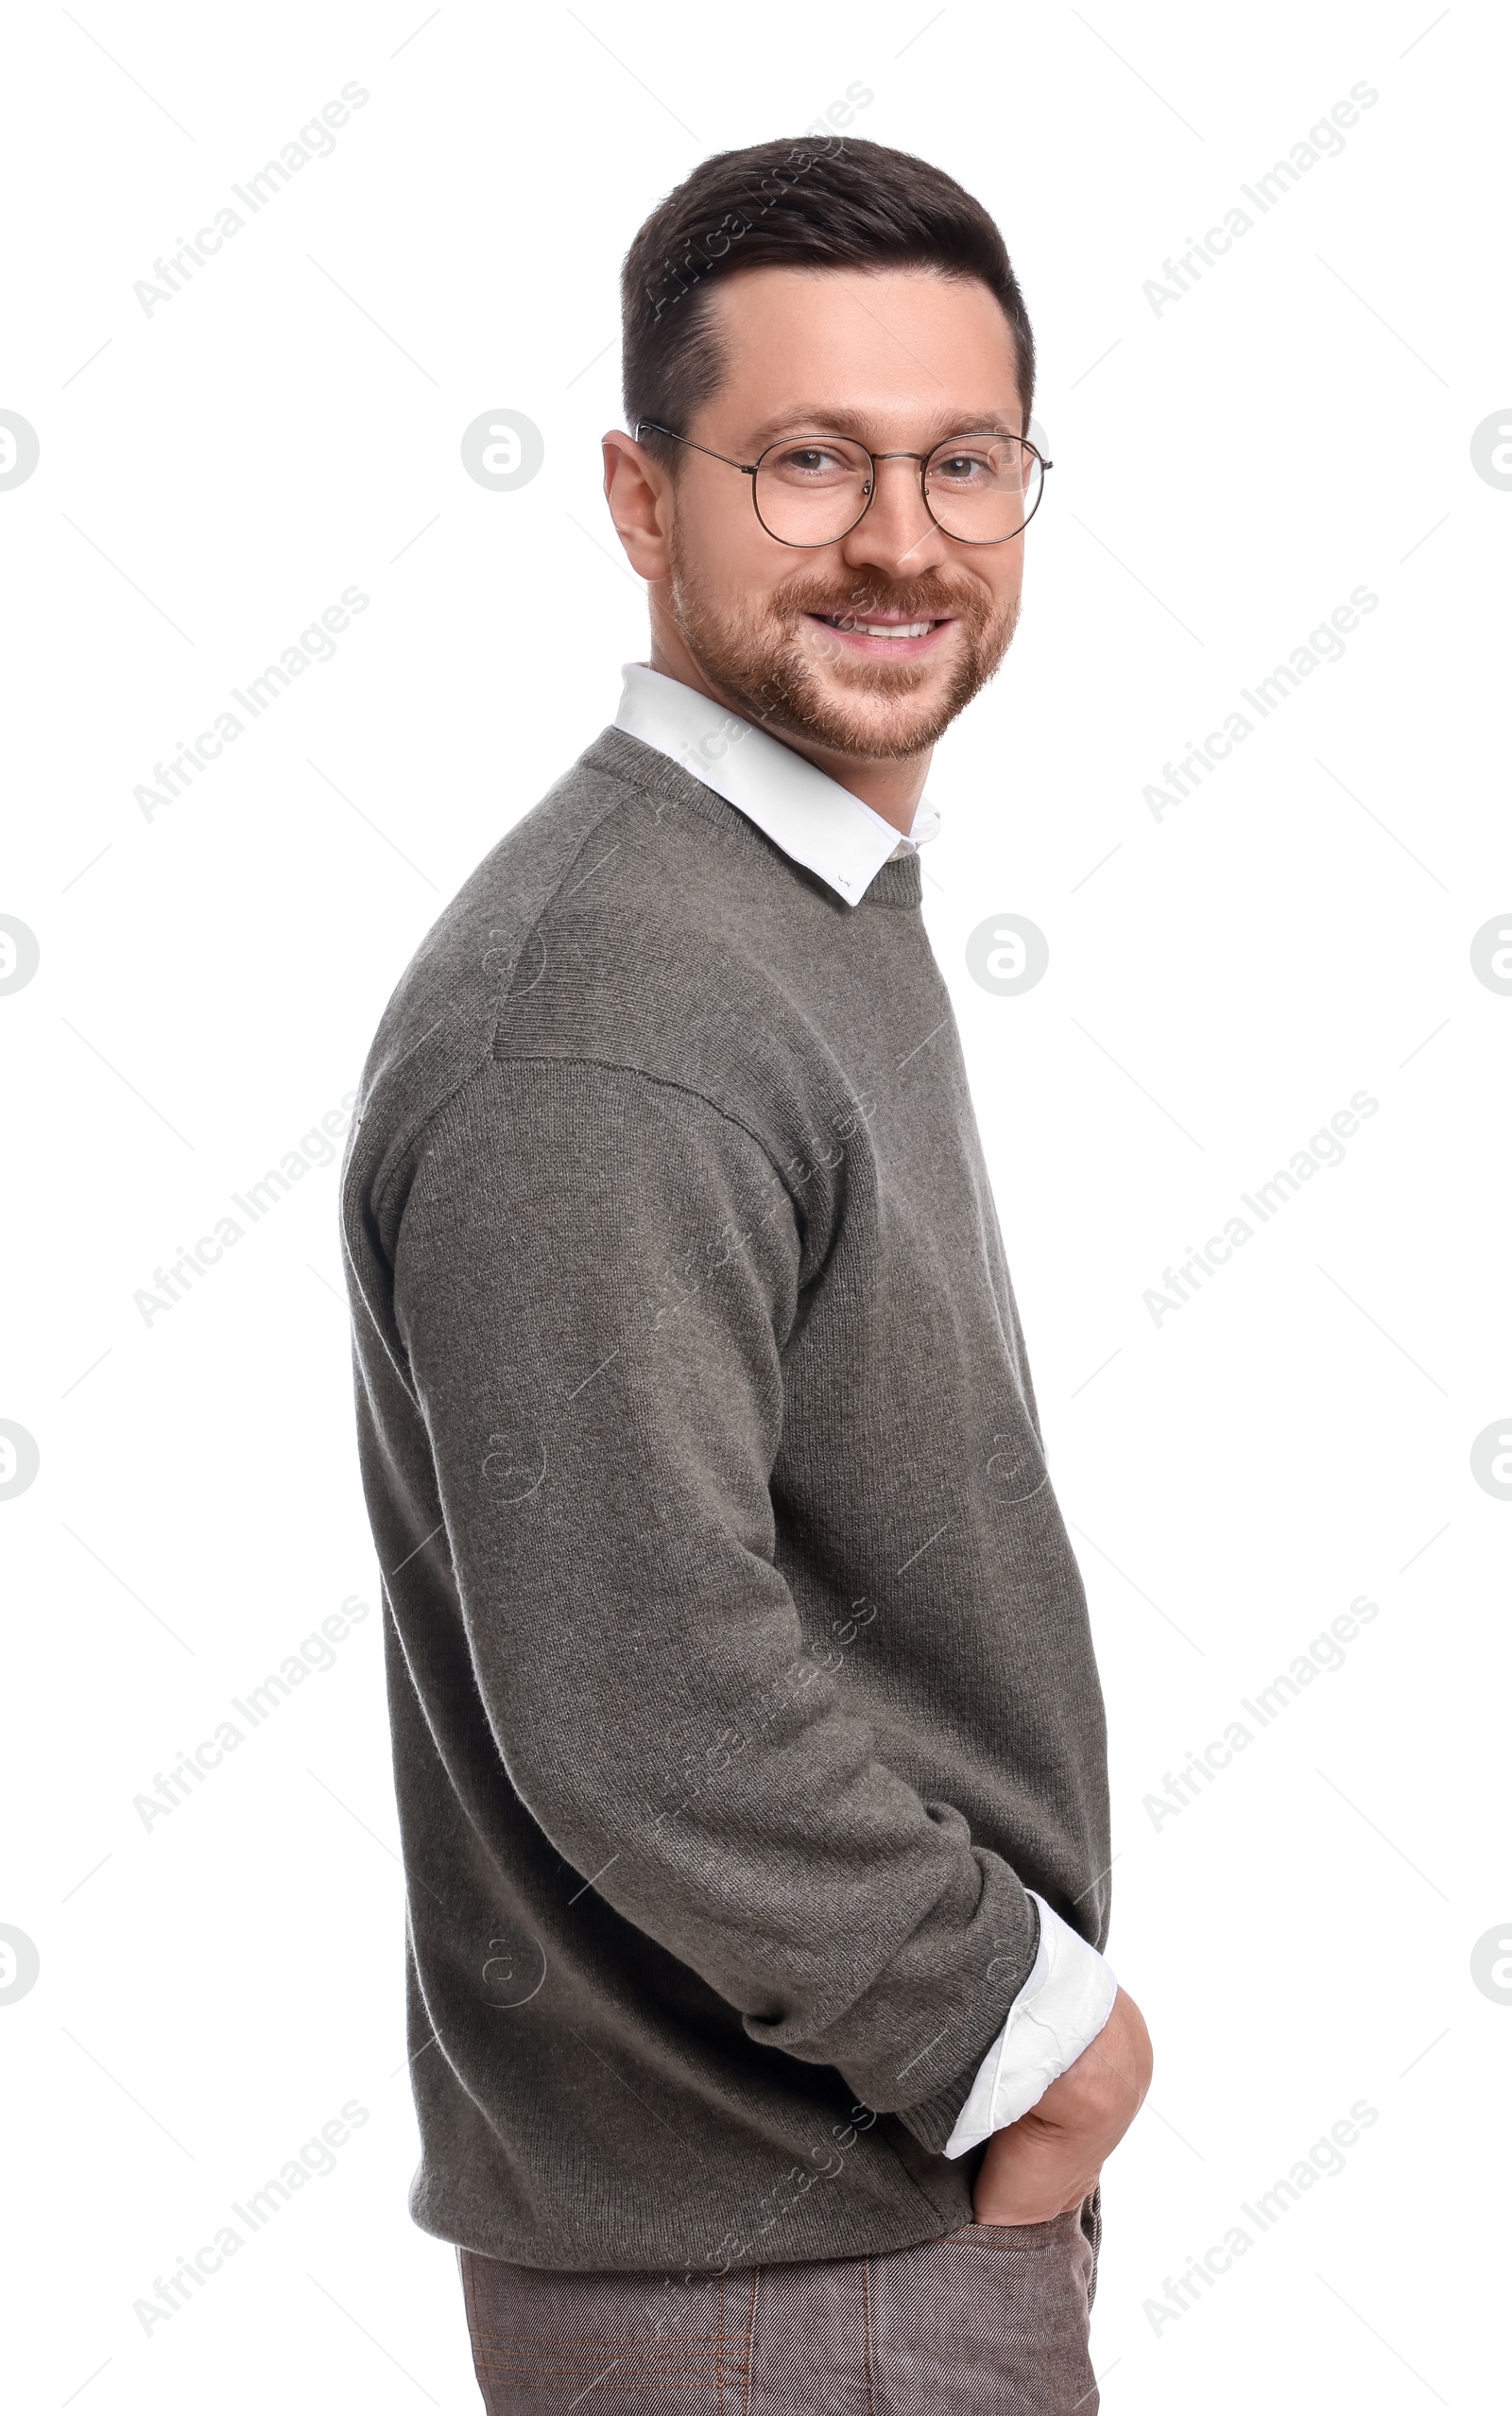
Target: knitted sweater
[(738, 1664)]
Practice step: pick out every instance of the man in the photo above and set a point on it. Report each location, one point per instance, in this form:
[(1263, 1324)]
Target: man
[(748, 1745)]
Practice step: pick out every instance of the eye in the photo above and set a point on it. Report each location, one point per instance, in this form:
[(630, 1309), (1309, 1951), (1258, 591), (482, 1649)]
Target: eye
[(815, 462), (810, 461)]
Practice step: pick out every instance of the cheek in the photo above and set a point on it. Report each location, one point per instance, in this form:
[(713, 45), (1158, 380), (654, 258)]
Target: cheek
[(725, 556), (1008, 575), (1003, 580)]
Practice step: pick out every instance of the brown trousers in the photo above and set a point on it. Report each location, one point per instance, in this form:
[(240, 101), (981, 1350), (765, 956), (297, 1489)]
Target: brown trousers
[(990, 2318)]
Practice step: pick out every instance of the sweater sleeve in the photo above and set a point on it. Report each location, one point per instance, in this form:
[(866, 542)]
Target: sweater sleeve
[(595, 1274)]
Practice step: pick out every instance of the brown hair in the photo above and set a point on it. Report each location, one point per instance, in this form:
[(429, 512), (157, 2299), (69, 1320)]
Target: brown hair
[(832, 205)]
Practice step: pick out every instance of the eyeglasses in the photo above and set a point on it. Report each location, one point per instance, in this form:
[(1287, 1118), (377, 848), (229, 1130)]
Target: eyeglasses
[(980, 488)]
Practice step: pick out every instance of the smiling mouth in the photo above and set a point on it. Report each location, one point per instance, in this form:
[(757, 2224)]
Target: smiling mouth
[(850, 625)]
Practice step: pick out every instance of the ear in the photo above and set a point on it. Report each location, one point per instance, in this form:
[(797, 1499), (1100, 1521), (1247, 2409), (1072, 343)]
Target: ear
[(641, 503)]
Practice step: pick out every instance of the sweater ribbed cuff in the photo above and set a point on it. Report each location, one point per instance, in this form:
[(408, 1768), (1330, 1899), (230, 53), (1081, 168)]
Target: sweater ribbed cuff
[(934, 2118)]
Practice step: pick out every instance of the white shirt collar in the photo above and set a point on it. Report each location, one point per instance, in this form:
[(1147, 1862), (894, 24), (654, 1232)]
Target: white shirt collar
[(801, 810)]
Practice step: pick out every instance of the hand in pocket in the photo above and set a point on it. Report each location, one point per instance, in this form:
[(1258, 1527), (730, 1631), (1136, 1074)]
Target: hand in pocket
[(1047, 2162)]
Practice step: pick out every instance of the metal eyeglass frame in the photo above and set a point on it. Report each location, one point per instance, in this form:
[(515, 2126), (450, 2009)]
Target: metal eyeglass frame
[(832, 437)]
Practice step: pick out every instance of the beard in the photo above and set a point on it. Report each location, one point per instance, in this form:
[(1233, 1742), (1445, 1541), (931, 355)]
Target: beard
[(770, 661)]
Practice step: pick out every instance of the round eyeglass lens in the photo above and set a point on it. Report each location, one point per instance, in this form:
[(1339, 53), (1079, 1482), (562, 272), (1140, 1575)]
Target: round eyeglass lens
[(811, 489), (983, 489)]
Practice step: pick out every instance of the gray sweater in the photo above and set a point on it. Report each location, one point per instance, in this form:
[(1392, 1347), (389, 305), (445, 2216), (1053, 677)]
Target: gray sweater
[(738, 1661)]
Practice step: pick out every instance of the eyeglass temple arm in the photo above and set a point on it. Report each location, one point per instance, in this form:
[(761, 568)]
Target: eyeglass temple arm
[(748, 467)]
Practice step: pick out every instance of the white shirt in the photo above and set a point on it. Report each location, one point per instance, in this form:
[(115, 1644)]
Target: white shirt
[(805, 813), (1069, 1993)]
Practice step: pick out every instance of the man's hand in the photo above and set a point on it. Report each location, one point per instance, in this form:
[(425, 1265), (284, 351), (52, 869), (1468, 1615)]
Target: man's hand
[(1049, 2160)]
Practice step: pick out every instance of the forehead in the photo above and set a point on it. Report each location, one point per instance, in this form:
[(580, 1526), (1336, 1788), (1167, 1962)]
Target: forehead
[(898, 347)]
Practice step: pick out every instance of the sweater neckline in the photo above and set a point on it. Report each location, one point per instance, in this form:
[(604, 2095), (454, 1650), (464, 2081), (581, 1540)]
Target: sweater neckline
[(898, 882)]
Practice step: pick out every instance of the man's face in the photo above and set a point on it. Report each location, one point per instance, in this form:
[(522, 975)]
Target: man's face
[(899, 359)]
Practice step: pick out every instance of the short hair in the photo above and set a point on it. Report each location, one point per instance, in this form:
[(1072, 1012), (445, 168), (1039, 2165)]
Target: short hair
[(840, 203)]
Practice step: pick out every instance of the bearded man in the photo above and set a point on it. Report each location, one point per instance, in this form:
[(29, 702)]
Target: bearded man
[(748, 1743)]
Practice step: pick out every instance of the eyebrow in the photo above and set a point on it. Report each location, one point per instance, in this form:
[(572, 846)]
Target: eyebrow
[(822, 419)]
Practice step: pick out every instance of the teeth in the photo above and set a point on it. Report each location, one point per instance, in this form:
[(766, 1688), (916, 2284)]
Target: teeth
[(893, 630)]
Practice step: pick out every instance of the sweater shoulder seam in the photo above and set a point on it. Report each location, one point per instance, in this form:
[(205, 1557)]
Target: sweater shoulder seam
[(420, 1125), (604, 1064)]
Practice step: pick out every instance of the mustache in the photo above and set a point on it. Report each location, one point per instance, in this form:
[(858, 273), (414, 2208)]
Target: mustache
[(926, 598)]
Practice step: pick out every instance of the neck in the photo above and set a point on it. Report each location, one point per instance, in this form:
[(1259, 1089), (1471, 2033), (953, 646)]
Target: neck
[(892, 787)]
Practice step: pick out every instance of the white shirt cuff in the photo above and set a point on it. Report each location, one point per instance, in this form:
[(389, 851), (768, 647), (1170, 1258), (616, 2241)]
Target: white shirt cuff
[(1056, 2014)]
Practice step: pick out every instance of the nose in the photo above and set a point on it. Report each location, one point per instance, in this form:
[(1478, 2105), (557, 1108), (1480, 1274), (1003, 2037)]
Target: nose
[(895, 534)]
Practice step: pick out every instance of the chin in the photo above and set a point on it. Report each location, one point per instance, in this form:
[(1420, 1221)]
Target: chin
[(889, 742), (885, 729)]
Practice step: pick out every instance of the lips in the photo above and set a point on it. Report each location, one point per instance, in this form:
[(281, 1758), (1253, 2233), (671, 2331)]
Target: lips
[(885, 628), (884, 636)]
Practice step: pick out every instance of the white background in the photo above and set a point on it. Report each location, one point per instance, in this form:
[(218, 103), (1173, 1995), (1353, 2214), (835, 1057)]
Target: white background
[(1221, 980)]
